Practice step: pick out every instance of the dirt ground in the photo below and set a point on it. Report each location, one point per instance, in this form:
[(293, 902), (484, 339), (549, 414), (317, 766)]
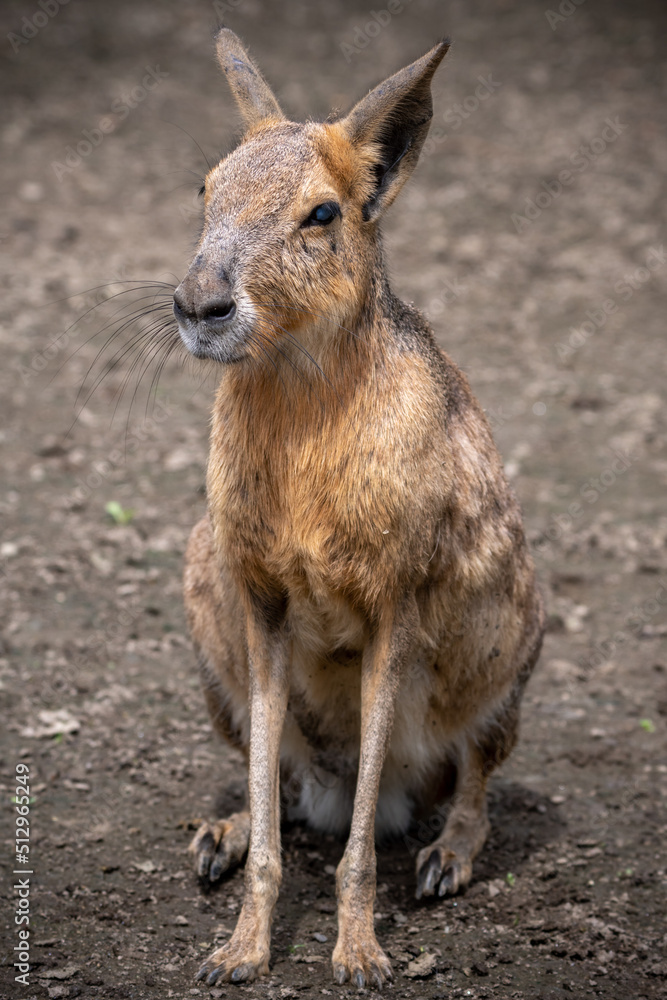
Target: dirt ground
[(547, 288)]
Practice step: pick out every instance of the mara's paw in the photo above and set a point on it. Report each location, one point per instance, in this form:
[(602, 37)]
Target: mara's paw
[(359, 958), (235, 962), (217, 847), (442, 872)]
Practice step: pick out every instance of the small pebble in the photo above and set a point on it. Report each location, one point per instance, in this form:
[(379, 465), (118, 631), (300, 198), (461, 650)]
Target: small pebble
[(31, 191)]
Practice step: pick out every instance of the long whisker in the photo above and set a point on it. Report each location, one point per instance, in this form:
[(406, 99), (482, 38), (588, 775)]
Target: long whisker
[(140, 343), (171, 346), (147, 282), (290, 361), (300, 347), (153, 350), (295, 368), (331, 386), (148, 303), (308, 312), (293, 340), (254, 339), (293, 363), (105, 373), (126, 323), (98, 305), (205, 157), (154, 325)]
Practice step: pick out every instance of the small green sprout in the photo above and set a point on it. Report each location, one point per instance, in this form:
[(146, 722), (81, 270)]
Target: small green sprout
[(647, 725), (510, 879), (118, 513)]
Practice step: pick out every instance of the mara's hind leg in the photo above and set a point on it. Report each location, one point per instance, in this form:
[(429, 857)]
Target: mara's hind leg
[(445, 866), (213, 618), (220, 846)]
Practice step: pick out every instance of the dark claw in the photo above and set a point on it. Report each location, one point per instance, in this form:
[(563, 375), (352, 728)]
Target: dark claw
[(203, 972), (376, 977), (213, 978), (360, 979), (207, 843), (429, 874), (450, 880), (340, 974), (241, 972), (206, 848), (219, 865)]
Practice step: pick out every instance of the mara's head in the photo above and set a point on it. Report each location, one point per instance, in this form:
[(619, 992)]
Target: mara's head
[(290, 240)]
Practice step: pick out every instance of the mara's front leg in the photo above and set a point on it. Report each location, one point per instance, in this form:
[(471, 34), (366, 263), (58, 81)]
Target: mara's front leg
[(357, 954), (246, 954)]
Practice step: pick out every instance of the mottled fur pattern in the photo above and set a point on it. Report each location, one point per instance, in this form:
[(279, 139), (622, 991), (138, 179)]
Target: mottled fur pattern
[(360, 593)]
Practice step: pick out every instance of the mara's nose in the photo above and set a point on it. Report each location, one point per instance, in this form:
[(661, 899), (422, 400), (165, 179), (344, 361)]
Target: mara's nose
[(196, 304)]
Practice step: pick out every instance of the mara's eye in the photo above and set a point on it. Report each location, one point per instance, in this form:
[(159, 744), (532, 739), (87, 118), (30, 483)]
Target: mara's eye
[(202, 190), (323, 214)]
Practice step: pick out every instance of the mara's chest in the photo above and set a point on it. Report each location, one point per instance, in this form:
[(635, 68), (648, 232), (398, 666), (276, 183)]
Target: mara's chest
[(346, 506), (311, 525)]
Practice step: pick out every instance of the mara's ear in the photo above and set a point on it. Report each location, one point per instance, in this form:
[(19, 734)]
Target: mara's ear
[(252, 93), (393, 121)]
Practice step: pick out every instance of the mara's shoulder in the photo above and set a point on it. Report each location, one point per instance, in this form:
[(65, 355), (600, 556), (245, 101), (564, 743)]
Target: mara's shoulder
[(412, 333)]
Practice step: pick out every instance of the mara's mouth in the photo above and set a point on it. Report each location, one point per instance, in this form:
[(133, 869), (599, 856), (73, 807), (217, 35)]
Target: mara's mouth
[(224, 340), (230, 331)]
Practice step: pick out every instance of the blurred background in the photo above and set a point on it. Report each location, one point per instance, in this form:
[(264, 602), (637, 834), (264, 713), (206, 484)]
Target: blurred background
[(533, 237)]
